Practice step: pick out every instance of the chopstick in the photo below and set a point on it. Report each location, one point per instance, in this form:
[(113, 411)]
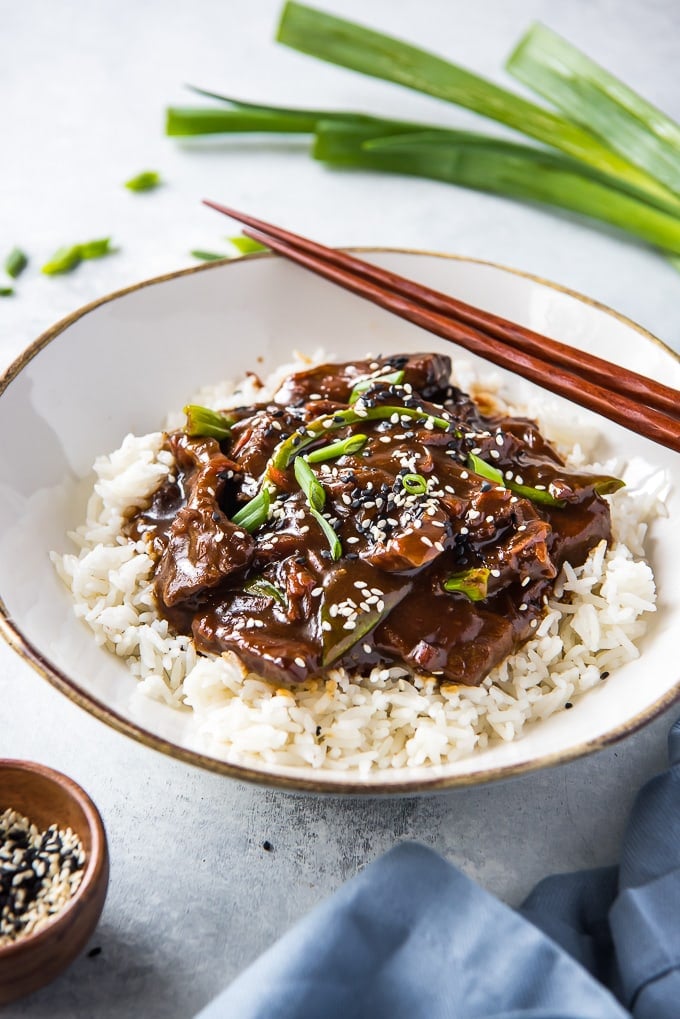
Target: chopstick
[(631, 400)]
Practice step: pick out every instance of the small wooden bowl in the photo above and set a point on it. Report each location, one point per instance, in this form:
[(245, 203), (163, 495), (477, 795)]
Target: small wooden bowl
[(47, 797)]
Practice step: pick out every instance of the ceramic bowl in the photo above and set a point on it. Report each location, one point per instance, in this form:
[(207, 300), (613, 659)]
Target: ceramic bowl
[(47, 797), (120, 364)]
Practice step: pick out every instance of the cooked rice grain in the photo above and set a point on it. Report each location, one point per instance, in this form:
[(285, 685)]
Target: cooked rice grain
[(390, 719)]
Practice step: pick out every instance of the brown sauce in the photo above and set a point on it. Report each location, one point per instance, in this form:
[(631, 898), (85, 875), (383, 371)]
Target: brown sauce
[(291, 602)]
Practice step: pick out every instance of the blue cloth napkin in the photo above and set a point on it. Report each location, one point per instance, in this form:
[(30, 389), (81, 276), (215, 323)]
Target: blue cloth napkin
[(412, 938)]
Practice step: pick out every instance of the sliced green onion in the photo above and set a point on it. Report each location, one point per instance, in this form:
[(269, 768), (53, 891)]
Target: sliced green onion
[(6, 291), (246, 245), (15, 263), (207, 256), (414, 484), (306, 479), (391, 379), (472, 583), (350, 45), (485, 470), (321, 426), (607, 485), (66, 259), (205, 422), (593, 98), (144, 181), (254, 513), (260, 586), (63, 260), (95, 249), (333, 540), (344, 447)]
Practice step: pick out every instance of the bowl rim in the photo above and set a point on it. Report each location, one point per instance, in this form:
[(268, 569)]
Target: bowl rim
[(96, 860), (14, 636)]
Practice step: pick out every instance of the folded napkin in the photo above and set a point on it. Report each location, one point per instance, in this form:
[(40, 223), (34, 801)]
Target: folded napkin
[(411, 937)]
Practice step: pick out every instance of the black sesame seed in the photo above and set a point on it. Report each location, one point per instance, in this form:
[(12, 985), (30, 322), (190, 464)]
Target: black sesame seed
[(94, 952), (568, 705), (267, 846), (604, 675)]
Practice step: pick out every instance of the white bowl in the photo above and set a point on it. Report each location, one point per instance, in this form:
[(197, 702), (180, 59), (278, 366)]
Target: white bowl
[(122, 363)]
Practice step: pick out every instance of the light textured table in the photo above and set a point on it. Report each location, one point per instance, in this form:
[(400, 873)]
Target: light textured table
[(193, 896)]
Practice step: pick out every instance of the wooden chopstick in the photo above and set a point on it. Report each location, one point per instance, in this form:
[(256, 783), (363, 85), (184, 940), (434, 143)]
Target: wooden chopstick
[(576, 376)]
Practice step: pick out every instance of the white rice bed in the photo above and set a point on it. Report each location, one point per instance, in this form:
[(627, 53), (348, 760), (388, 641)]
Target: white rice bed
[(390, 719)]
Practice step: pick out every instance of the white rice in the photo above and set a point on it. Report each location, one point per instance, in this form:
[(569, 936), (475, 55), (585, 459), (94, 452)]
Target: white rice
[(391, 719)]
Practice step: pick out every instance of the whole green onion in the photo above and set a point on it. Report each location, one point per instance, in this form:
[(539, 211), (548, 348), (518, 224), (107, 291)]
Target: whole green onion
[(382, 56), (593, 98)]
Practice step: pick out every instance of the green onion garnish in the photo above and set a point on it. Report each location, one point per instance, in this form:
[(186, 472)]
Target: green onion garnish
[(414, 484), (306, 479), (540, 495), (246, 245), (207, 256), (344, 447), (472, 583), (66, 259), (391, 379), (16, 262), (206, 422), (333, 540), (258, 585), (321, 426), (485, 470), (6, 291), (254, 513), (144, 181)]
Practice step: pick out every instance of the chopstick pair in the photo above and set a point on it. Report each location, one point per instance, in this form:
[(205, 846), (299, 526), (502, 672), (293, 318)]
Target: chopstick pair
[(638, 403)]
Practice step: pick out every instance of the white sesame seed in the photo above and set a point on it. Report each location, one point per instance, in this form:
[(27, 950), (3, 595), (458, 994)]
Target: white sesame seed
[(316, 592), (499, 438), (300, 661), (367, 648)]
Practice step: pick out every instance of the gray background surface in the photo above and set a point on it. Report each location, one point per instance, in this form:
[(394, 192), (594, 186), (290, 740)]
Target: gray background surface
[(193, 896)]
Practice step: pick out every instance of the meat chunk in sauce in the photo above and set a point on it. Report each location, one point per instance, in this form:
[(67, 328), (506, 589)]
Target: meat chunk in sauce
[(432, 542)]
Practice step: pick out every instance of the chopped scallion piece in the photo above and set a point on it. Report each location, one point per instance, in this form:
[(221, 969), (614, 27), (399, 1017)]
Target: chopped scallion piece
[(246, 245), (6, 291), (345, 447), (15, 263), (254, 513), (306, 479), (258, 585), (206, 422), (391, 379), (144, 181), (333, 540), (472, 583), (207, 256), (414, 484), (485, 470), (66, 259)]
